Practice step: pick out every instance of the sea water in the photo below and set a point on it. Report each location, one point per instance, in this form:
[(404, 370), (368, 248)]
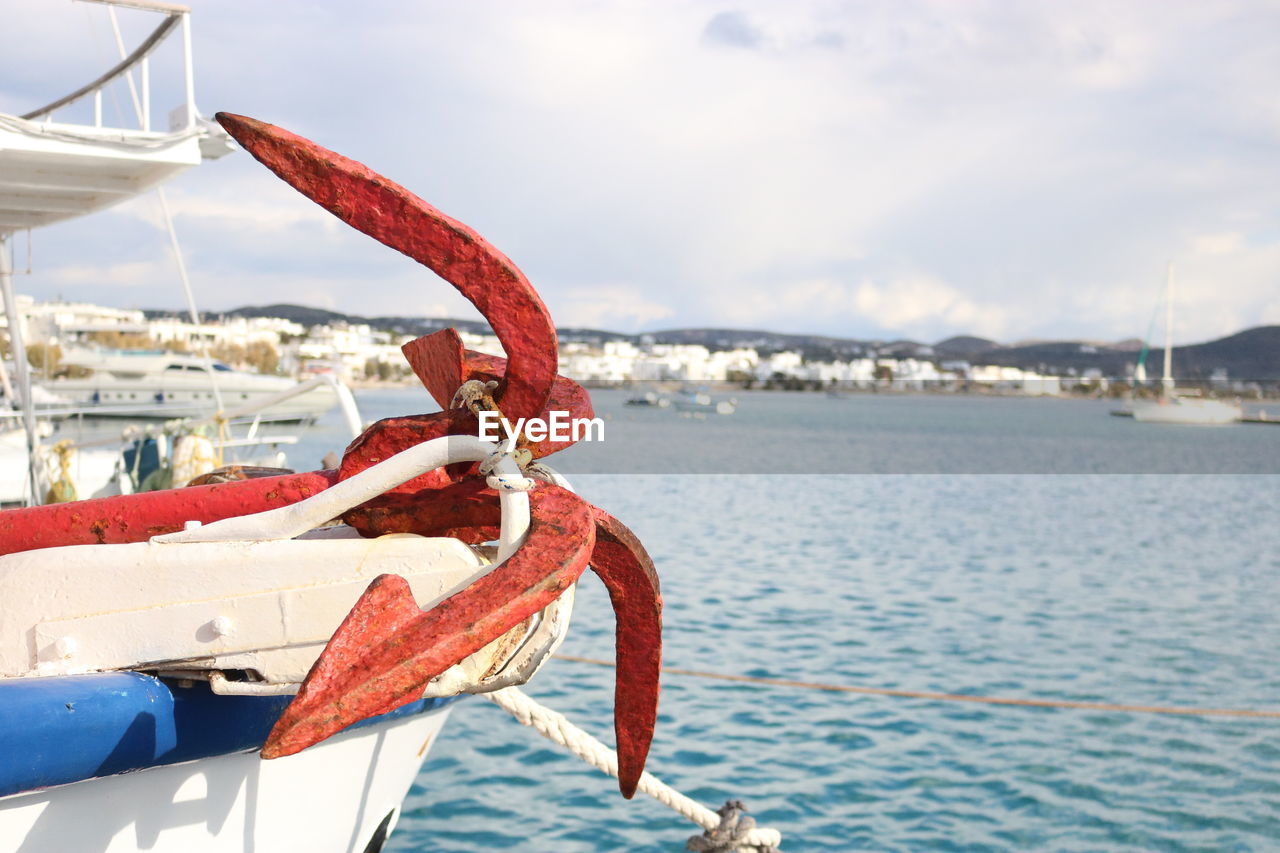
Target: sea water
[(943, 544)]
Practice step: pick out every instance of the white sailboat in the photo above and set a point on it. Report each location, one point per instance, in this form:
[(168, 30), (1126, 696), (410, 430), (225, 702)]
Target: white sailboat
[(1174, 405)]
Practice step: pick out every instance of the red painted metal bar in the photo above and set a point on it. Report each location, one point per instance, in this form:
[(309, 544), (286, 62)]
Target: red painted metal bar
[(439, 360), (467, 510), (136, 518), (397, 218), (390, 436), (386, 650), (624, 566)]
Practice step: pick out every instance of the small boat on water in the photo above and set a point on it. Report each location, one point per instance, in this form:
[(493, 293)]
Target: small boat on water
[(1183, 409), (162, 385), (700, 402), (649, 399), (1174, 405)]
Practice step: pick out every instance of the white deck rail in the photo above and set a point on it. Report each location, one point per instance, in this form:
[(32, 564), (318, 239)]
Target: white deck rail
[(176, 17)]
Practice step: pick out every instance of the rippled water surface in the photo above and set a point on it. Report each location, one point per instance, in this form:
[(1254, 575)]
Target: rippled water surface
[(1142, 589)]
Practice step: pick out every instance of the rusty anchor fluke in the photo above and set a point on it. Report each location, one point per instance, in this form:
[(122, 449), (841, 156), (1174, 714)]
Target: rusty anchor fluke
[(387, 649)]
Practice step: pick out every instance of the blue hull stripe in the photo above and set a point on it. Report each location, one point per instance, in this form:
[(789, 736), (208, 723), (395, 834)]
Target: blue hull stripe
[(65, 729)]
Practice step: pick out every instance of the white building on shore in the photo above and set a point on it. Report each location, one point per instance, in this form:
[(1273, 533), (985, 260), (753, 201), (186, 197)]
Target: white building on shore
[(1015, 379), (72, 321), (226, 331), (358, 351)]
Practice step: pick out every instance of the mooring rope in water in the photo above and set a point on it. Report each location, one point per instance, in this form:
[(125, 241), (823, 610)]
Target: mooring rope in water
[(1066, 704), (725, 830)]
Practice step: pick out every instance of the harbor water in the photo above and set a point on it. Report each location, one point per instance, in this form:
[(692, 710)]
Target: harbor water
[(997, 547)]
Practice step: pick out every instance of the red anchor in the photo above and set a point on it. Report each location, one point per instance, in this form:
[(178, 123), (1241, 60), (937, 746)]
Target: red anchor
[(387, 649)]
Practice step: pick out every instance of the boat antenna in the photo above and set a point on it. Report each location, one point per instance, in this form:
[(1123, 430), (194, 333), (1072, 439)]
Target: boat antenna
[(1167, 379), (168, 221), (1140, 373), (191, 300)]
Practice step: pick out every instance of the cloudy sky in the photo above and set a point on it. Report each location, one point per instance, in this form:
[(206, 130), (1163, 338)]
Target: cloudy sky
[(870, 169)]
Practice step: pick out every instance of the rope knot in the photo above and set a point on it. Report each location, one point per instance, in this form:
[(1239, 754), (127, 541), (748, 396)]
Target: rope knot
[(509, 483), (732, 834), (499, 483)]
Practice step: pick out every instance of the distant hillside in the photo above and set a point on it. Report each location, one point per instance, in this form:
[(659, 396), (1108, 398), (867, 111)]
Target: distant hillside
[(295, 313), (963, 346), (423, 325), (1253, 354), (817, 347), (400, 324), (1060, 357), (301, 314)]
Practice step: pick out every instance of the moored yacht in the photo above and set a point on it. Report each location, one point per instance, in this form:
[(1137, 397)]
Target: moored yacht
[(158, 384)]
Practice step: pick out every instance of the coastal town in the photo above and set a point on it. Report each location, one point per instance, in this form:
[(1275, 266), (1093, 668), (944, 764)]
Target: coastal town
[(62, 335)]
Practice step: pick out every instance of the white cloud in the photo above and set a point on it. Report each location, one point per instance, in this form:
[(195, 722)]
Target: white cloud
[(1217, 244), (1019, 168), (924, 303), (613, 306), (913, 305), (105, 279), (242, 205)]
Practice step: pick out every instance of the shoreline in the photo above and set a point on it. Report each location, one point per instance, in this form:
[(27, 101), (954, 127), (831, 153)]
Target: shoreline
[(836, 391)]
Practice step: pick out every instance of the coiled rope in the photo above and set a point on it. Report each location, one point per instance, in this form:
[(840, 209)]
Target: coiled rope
[(724, 831), (1066, 704)]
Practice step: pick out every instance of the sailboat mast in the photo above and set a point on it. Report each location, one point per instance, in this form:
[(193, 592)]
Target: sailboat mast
[(1167, 379), (18, 351)]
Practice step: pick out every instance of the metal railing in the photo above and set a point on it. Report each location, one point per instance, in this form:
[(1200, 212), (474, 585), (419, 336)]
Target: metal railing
[(176, 17)]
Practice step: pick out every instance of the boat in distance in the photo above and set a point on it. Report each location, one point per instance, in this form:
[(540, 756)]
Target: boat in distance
[(1175, 405), (158, 384), (1182, 409), (702, 403)]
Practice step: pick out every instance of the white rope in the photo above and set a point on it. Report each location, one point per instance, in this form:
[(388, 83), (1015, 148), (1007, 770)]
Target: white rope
[(509, 484), (556, 727), (512, 480)]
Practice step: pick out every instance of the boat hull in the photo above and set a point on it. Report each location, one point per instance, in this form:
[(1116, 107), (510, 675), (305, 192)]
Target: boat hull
[(155, 399), (94, 471), (1186, 411), (338, 795)]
